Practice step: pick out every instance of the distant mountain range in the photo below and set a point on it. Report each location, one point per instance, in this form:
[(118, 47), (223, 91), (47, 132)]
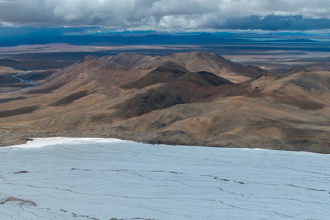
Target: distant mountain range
[(155, 39), (196, 98)]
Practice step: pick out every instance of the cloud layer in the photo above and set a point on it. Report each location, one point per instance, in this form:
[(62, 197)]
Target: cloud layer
[(169, 14)]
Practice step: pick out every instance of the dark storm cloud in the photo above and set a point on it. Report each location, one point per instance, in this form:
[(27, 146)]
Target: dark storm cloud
[(169, 14), (274, 23)]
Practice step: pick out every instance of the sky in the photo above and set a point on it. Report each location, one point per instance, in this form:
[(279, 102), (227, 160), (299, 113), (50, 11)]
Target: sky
[(164, 15)]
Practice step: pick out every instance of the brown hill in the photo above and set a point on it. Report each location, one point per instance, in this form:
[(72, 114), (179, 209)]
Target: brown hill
[(289, 113), (161, 100), (104, 72), (212, 62), (127, 67)]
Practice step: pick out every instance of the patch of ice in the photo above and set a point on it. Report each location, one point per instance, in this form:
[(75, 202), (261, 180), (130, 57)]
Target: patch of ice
[(93, 178)]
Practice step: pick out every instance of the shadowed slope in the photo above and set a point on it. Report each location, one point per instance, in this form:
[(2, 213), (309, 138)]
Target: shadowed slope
[(173, 73), (170, 85)]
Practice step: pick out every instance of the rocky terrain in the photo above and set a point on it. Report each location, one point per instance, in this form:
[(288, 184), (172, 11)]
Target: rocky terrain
[(196, 98)]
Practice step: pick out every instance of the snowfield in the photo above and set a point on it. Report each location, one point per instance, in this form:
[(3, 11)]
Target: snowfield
[(61, 178)]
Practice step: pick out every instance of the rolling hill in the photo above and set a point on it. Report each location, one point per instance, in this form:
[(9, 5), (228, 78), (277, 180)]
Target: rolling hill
[(195, 98)]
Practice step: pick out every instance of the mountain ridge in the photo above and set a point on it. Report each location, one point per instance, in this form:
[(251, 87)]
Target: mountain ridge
[(161, 100)]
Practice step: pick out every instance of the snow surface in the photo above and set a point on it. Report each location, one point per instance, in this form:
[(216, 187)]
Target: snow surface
[(114, 179)]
